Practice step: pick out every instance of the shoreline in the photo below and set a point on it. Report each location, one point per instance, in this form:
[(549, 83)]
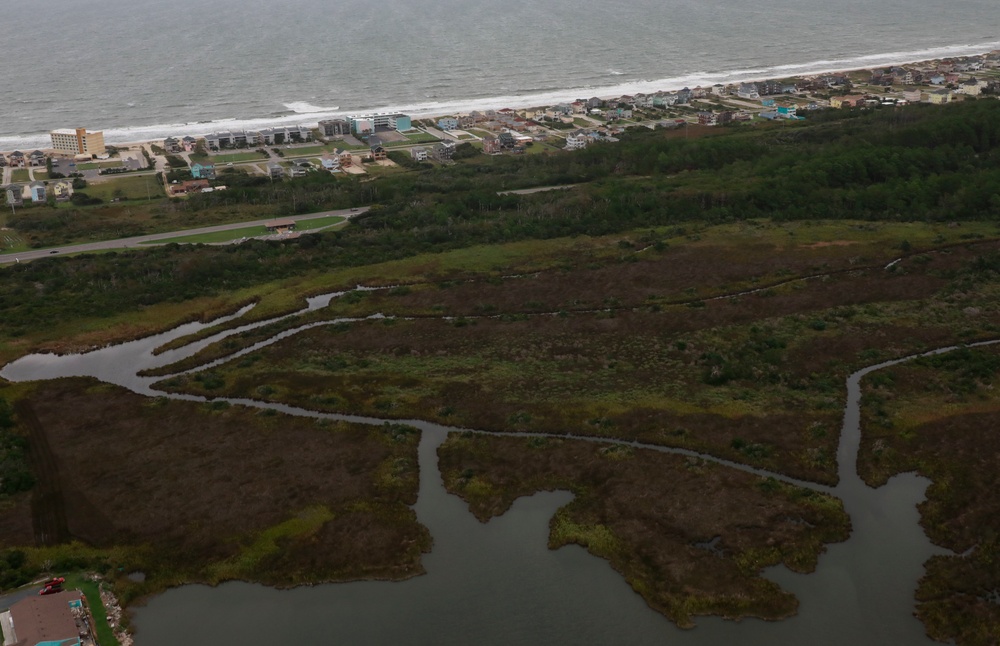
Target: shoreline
[(145, 134)]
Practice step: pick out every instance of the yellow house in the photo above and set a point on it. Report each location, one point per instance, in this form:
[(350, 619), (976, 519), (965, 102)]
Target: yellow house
[(939, 97)]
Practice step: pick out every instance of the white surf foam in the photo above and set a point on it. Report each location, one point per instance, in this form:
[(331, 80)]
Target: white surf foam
[(309, 114)]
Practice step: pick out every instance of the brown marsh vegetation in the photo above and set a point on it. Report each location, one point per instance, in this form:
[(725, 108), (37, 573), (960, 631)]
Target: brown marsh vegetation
[(939, 416), (690, 536), (200, 492)]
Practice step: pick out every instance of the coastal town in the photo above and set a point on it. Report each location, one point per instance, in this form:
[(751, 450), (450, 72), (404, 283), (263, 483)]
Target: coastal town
[(372, 144)]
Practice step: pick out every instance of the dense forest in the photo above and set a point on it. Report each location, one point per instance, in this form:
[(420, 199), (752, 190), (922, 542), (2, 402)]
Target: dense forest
[(926, 163)]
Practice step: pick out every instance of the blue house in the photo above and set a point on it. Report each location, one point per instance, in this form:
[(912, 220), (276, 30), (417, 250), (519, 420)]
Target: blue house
[(37, 190), (202, 171), (448, 123)]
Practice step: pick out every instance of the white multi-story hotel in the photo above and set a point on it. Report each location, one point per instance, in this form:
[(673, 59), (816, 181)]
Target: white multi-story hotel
[(78, 142)]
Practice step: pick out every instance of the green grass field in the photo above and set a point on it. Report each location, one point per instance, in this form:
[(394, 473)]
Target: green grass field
[(91, 590), (246, 232), (134, 187), (236, 157), (95, 165), (308, 150), (20, 175), (218, 236), (420, 137)]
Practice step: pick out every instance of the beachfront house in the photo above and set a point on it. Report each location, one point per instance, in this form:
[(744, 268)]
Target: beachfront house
[(202, 171), (447, 123), (17, 159), (748, 91), (3, 160)]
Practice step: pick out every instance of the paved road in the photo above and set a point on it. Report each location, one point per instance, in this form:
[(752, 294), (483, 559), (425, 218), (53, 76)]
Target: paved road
[(123, 243), (537, 189)]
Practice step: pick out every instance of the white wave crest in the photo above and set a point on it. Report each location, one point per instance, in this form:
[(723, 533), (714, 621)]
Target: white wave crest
[(304, 107)]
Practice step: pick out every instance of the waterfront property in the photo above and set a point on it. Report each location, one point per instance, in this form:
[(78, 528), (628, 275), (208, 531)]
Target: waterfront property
[(78, 141), (335, 127), (51, 619), (379, 122), (263, 137), (447, 123)]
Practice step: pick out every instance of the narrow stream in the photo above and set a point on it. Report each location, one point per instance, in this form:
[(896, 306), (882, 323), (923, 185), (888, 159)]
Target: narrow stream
[(497, 583)]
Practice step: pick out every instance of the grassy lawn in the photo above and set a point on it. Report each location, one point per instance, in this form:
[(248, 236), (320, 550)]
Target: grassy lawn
[(20, 175), (420, 137), (235, 157), (91, 590), (319, 223), (308, 150), (539, 147), (218, 236), (94, 165), (134, 187), (245, 232)]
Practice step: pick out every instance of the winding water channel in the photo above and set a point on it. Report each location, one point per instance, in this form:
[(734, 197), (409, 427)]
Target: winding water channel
[(498, 583)]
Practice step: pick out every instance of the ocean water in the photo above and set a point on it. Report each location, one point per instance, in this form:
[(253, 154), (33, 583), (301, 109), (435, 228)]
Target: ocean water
[(141, 69)]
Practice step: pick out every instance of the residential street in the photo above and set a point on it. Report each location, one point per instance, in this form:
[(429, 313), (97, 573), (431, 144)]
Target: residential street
[(123, 243)]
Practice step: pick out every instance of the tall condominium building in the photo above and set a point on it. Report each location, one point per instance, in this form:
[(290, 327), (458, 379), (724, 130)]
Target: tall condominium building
[(78, 142)]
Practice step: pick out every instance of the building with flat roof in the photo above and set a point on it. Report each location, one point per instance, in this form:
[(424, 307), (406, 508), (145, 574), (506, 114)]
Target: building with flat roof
[(335, 127), (52, 619), (370, 123), (78, 142)]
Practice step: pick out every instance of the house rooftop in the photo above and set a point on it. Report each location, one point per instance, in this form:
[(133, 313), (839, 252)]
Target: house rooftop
[(45, 619)]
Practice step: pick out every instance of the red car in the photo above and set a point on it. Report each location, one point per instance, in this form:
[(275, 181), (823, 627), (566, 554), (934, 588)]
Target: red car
[(52, 586)]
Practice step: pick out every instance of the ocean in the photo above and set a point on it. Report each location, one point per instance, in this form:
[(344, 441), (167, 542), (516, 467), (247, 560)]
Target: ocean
[(144, 69)]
